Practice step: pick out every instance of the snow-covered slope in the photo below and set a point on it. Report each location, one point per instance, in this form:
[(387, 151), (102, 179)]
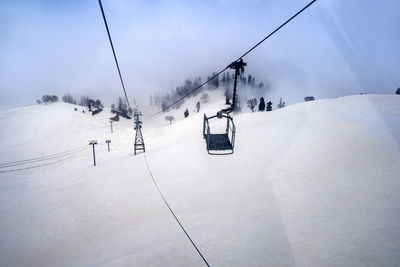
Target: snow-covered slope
[(314, 183)]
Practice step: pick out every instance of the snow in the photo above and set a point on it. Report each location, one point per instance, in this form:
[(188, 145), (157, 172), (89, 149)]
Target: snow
[(314, 183)]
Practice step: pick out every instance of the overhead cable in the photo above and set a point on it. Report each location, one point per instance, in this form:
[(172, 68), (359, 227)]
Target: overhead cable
[(246, 53), (172, 212), (115, 56)]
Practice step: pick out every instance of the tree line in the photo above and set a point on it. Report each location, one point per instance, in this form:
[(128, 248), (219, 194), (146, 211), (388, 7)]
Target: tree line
[(226, 81)]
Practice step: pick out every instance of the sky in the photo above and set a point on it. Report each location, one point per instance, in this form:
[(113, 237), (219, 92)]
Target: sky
[(334, 48)]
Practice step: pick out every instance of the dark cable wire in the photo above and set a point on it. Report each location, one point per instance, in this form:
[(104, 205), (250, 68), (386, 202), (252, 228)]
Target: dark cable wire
[(170, 209), (195, 89), (32, 160), (115, 57), (277, 29), (46, 164), (251, 49)]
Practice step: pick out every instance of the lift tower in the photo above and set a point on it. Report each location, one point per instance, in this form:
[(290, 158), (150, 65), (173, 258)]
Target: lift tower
[(139, 142), (238, 66)]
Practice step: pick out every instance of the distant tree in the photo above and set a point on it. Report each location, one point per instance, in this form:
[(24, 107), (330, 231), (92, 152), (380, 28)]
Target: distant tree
[(398, 91), (196, 84), (249, 80), (261, 85), (112, 107), (46, 99), (178, 104), (228, 96), (261, 106), (67, 98), (151, 100), (169, 118), (228, 79), (198, 106), (122, 106), (243, 81), (252, 103), (204, 98), (164, 106), (215, 81), (38, 101), (281, 104), (49, 99), (223, 80), (309, 98), (269, 106), (84, 101), (186, 113), (97, 104)]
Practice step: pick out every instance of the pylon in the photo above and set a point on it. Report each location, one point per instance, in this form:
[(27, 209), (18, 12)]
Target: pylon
[(139, 142)]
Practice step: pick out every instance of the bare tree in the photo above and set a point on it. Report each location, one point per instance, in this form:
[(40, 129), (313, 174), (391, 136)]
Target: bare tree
[(204, 98), (67, 98), (169, 118), (198, 106), (252, 103)]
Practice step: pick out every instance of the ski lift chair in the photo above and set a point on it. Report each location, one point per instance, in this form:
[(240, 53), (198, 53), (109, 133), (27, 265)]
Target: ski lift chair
[(219, 143)]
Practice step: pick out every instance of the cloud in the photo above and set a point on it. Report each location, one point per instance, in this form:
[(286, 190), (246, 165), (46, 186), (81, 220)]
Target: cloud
[(330, 50)]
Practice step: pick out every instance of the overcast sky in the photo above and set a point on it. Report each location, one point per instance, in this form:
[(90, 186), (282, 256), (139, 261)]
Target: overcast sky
[(334, 48)]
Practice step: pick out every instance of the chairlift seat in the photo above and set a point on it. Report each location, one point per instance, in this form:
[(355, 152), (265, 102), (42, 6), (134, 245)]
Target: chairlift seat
[(219, 143)]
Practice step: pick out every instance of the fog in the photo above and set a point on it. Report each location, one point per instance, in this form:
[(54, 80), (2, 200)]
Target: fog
[(334, 48)]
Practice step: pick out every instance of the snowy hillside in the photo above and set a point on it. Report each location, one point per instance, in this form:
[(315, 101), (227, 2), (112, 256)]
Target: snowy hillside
[(312, 184)]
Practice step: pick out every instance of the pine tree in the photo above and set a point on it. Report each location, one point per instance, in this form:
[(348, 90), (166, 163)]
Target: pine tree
[(122, 107), (261, 106), (398, 91), (163, 107), (249, 80), (228, 79), (269, 106)]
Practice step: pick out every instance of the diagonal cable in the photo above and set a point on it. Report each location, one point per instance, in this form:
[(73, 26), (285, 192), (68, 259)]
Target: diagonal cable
[(247, 52), (115, 57), (172, 212)]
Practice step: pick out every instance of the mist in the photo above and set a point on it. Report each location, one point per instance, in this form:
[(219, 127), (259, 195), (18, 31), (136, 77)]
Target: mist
[(334, 48)]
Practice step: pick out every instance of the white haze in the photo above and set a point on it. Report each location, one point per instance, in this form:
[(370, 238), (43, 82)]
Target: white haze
[(333, 49)]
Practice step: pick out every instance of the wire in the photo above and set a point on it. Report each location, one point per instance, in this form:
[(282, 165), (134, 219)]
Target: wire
[(247, 52), (277, 29), (115, 57), (170, 209), (32, 160), (46, 164), (198, 87)]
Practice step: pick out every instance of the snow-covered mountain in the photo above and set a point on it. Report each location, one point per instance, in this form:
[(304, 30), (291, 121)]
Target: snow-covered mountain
[(312, 184)]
